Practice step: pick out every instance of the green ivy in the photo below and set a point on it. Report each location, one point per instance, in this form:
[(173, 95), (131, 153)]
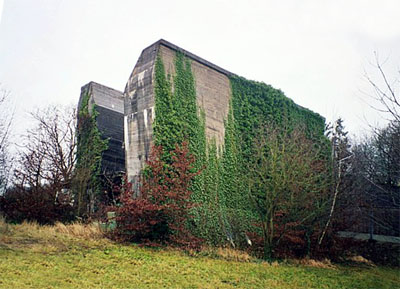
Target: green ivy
[(90, 147), (221, 190), (178, 118), (166, 126), (256, 104)]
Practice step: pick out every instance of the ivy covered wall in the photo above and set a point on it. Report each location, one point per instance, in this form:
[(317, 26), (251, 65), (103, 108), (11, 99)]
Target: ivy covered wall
[(90, 147), (224, 211), (255, 104)]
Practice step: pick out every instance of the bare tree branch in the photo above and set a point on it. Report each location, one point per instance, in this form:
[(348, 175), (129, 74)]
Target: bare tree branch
[(48, 153), (385, 93), (6, 119)]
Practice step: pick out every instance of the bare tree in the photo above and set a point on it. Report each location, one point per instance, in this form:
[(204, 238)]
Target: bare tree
[(6, 118), (385, 92), (43, 169), (376, 171), (376, 165), (47, 156)]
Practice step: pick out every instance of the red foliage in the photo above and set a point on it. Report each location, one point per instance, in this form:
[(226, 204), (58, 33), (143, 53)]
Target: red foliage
[(161, 211), (138, 219), (41, 205)]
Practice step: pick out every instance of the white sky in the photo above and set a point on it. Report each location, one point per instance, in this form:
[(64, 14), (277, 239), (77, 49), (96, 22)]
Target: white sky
[(316, 51)]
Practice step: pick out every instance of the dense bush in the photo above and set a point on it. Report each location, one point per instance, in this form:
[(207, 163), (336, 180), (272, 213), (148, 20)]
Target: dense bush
[(161, 211), (41, 205), (138, 219)]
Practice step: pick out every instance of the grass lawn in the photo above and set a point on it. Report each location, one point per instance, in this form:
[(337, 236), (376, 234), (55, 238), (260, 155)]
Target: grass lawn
[(77, 256)]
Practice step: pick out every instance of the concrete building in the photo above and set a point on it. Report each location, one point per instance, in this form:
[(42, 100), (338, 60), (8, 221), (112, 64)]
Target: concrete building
[(213, 92), (109, 105)]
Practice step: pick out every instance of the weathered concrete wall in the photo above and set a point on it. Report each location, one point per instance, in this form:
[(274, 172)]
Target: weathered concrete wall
[(212, 89), (139, 112), (213, 94), (109, 103)]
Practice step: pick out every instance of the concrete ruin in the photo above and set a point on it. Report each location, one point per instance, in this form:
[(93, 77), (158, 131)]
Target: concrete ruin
[(213, 92), (109, 105), (126, 119)]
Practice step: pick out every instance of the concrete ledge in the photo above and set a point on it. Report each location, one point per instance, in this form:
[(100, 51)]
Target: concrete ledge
[(366, 237)]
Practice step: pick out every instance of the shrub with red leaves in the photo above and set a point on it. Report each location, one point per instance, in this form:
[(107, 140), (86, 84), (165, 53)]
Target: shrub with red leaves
[(40, 204), (138, 219), (159, 214)]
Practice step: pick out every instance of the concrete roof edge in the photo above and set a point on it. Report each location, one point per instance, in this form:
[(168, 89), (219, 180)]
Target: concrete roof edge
[(190, 55), (93, 83)]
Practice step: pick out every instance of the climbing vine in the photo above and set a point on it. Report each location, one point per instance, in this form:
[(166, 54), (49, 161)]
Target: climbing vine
[(255, 104), (178, 118), (221, 190), (90, 146), (166, 126)]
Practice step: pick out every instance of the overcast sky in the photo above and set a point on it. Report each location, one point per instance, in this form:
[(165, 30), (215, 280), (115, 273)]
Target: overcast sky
[(315, 51)]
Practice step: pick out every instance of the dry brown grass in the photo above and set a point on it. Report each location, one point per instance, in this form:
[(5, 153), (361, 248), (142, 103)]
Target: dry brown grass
[(77, 230), (225, 253), (234, 255), (274, 264), (361, 260), (37, 238), (325, 263), (4, 227)]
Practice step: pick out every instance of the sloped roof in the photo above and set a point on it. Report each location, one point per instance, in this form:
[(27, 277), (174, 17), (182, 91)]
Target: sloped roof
[(190, 55)]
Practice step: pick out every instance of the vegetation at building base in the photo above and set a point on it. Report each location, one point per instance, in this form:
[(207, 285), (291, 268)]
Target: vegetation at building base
[(226, 211), (264, 122), (65, 256), (277, 183), (158, 215), (56, 173), (289, 188)]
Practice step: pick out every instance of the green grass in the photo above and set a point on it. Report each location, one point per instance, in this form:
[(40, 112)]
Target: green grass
[(77, 256)]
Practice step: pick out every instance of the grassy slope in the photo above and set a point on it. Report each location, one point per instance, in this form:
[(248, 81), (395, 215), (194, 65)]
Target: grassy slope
[(78, 257)]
